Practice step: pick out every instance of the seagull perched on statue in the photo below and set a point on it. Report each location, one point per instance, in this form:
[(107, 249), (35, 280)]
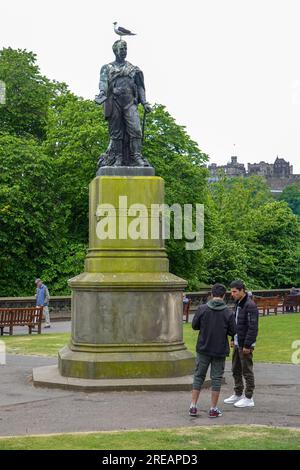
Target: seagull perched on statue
[(122, 31)]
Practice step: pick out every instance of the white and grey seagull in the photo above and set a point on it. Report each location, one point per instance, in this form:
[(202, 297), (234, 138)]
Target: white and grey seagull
[(122, 31)]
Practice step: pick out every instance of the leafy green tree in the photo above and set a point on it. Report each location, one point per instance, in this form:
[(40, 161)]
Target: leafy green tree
[(76, 136), (273, 246), (234, 198), (33, 235), (256, 239), (27, 94), (226, 260), (178, 159), (26, 212), (291, 195), (63, 259)]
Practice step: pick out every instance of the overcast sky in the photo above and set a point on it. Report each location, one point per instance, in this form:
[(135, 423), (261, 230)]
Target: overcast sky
[(229, 70)]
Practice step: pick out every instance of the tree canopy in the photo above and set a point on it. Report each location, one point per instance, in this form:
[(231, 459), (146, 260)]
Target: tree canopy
[(291, 195), (261, 236), (27, 94)]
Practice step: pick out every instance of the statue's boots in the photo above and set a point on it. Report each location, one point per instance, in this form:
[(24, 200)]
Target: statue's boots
[(118, 161), (136, 155), (117, 150)]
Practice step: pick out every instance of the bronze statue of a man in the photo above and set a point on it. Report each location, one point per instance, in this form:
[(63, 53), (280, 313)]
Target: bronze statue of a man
[(122, 89)]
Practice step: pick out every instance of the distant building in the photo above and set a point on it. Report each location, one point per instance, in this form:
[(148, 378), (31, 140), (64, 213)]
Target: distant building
[(261, 169), (278, 174), (233, 168), (282, 169)]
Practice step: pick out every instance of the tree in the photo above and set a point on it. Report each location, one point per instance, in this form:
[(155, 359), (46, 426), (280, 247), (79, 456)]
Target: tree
[(33, 235), (273, 246), (180, 162), (256, 239), (76, 136), (27, 94), (234, 198), (226, 260), (291, 195), (27, 218)]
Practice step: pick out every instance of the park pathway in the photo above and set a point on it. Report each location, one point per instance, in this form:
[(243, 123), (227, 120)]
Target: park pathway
[(28, 410)]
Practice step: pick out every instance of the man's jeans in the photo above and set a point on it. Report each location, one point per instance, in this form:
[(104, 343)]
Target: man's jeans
[(46, 314), (242, 366)]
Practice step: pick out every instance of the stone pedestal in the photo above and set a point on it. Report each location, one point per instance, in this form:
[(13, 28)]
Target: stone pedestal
[(126, 306)]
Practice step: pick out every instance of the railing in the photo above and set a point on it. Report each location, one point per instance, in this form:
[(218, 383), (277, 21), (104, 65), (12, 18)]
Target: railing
[(60, 306), (203, 295)]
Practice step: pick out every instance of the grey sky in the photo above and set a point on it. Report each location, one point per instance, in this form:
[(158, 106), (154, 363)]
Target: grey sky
[(229, 70)]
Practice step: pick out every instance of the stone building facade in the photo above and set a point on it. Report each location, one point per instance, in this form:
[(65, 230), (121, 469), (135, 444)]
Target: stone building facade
[(233, 168), (279, 169)]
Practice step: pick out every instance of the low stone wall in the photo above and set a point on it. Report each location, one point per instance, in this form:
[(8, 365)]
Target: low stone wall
[(60, 306)]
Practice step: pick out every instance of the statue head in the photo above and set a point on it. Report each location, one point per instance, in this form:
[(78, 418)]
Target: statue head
[(120, 49)]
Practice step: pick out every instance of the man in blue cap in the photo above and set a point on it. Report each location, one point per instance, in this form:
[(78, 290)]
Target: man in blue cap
[(42, 300)]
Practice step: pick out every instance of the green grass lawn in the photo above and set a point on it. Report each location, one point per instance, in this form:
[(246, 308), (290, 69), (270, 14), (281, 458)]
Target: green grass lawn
[(275, 337), (276, 334), (193, 438), (39, 345)]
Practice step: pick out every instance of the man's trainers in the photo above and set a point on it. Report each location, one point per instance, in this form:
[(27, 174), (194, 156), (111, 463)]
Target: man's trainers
[(244, 402), (215, 413), (193, 411), (233, 399)]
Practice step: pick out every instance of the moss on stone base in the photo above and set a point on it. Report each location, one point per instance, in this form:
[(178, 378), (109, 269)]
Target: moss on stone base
[(121, 365)]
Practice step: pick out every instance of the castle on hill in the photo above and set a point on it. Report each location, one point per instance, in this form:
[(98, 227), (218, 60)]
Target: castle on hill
[(278, 174)]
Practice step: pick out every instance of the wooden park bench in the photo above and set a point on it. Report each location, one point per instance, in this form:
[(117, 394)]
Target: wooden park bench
[(267, 303), (291, 301), (28, 316)]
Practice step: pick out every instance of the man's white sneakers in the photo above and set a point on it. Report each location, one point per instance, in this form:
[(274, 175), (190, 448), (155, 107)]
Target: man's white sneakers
[(233, 399), (239, 401), (244, 402)]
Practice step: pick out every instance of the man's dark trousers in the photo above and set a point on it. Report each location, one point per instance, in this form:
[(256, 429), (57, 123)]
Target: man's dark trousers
[(242, 366)]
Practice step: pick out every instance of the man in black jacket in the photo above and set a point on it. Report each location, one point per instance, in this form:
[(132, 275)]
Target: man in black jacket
[(215, 322), (246, 317)]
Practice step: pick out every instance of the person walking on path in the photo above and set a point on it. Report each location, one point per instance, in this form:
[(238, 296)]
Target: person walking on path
[(215, 322), (246, 318), (42, 300)]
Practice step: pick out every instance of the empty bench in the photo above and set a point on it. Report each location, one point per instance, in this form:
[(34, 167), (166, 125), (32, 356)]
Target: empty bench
[(267, 303), (29, 316)]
